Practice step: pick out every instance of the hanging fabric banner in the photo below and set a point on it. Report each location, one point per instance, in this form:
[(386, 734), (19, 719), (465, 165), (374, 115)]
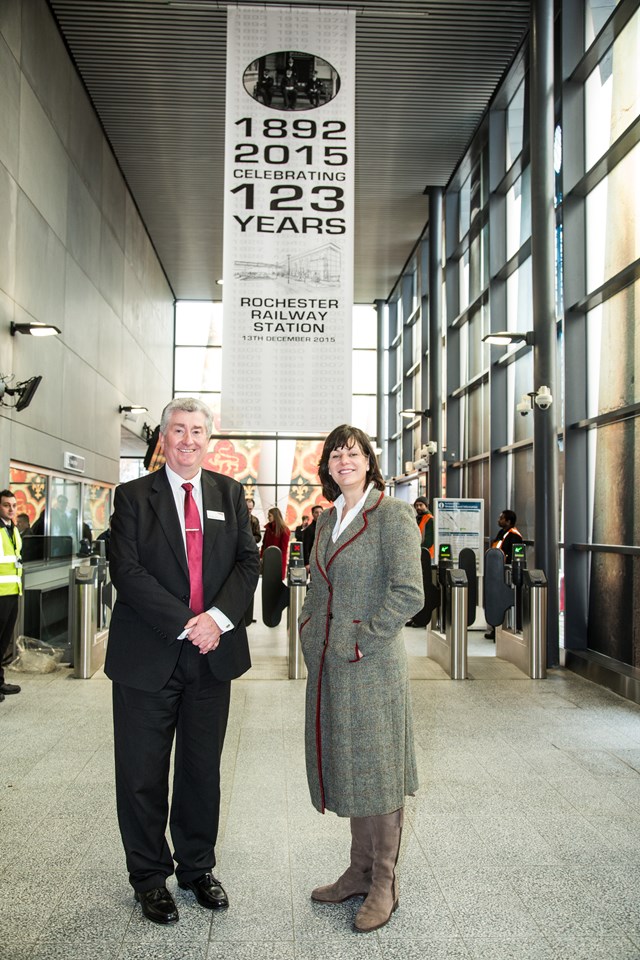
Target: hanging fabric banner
[(288, 219)]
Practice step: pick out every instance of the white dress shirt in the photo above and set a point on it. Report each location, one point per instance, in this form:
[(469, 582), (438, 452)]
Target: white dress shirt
[(342, 524), (175, 482)]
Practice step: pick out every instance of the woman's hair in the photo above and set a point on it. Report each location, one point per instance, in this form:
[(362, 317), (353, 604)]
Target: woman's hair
[(347, 436), (278, 523)]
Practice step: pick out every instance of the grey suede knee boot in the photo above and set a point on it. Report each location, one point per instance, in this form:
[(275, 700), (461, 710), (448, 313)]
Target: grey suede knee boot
[(356, 879), (382, 899)]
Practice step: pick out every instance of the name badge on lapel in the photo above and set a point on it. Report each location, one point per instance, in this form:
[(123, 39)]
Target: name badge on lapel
[(215, 515)]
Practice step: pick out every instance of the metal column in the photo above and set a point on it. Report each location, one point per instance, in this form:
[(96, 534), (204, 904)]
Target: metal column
[(543, 226)]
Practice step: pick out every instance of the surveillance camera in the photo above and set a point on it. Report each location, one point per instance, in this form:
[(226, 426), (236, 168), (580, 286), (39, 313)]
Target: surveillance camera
[(544, 398), (524, 406)]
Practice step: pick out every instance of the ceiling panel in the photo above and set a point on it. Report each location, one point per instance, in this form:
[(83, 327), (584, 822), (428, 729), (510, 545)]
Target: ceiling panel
[(155, 70)]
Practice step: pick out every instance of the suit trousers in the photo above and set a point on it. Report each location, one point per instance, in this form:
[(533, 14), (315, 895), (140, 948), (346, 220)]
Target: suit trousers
[(193, 708), (8, 617)]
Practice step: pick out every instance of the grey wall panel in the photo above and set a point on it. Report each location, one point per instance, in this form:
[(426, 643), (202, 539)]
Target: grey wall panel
[(9, 108), (46, 65), (43, 167), (68, 234), (40, 258), (8, 219)]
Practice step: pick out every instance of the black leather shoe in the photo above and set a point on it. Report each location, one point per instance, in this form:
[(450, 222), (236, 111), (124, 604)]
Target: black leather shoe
[(7, 688), (490, 635), (209, 891), (158, 905)]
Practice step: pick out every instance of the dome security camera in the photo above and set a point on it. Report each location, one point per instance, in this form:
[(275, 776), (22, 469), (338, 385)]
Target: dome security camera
[(544, 398), (524, 406)]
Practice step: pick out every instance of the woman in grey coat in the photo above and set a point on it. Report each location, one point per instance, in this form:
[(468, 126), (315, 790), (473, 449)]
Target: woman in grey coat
[(366, 581)]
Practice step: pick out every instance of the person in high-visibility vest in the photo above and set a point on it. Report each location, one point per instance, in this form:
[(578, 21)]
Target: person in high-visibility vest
[(505, 538), (507, 535), (10, 580), (425, 524)]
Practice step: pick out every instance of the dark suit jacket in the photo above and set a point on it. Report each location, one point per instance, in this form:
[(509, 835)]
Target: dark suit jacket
[(149, 569)]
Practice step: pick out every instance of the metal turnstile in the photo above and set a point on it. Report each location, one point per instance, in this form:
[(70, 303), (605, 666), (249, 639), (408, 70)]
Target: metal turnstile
[(297, 666), (297, 580), (534, 621), (449, 648), (88, 630)]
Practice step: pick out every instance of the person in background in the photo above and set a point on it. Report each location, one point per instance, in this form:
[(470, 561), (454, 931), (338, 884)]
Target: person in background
[(302, 526), (309, 534), (10, 580), (425, 526), (504, 540), (255, 523), (23, 524), (257, 536), (277, 534), (359, 747), (507, 535)]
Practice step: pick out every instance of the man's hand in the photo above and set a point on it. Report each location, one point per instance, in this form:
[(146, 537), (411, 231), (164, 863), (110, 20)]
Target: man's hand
[(204, 632)]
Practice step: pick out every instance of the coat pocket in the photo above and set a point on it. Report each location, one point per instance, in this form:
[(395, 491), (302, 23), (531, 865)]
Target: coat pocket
[(358, 655)]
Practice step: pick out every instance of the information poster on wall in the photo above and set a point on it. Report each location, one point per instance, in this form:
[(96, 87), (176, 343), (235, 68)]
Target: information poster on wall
[(460, 523), (288, 219)]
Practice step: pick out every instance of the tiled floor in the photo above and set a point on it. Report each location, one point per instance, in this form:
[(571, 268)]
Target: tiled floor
[(522, 843)]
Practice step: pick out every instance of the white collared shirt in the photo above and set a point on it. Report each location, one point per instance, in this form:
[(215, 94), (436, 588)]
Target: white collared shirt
[(175, 482), (341, 524)]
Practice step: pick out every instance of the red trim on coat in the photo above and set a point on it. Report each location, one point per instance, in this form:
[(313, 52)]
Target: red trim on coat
[(318, 732)]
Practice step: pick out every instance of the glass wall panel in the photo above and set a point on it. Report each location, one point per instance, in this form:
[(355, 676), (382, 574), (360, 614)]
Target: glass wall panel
[(520, 383), (64, 516), (199, 367), (522, 491), (365, 327), (613, 353), (518, 213), (364, 371), (465, 207), (520, 299), (478, 422), (515, 125), (477, 350), (596, 15), (96, 510), (198, 323), (364, 414), (30, 489), (613, 218), (611, 107), (463, 281)]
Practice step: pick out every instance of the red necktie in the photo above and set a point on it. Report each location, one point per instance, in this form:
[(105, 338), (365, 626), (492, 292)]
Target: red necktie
[(194, 537)]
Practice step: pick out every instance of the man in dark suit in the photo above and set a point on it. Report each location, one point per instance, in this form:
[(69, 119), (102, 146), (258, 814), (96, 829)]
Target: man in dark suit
[(185, 566), (309, 535)]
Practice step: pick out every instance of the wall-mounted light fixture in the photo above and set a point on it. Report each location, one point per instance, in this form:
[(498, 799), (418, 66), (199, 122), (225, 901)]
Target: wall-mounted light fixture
[(35, 329), (134, 408), (415, 413), (502, 338)]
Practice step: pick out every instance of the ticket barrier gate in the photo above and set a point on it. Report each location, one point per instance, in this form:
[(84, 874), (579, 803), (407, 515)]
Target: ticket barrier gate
[(448, 645), (275, 594), (297, 579), (88, 616), (520, 595)]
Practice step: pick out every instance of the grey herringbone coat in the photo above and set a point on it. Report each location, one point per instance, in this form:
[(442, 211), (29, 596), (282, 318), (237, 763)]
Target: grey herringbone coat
[(359, 737)]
